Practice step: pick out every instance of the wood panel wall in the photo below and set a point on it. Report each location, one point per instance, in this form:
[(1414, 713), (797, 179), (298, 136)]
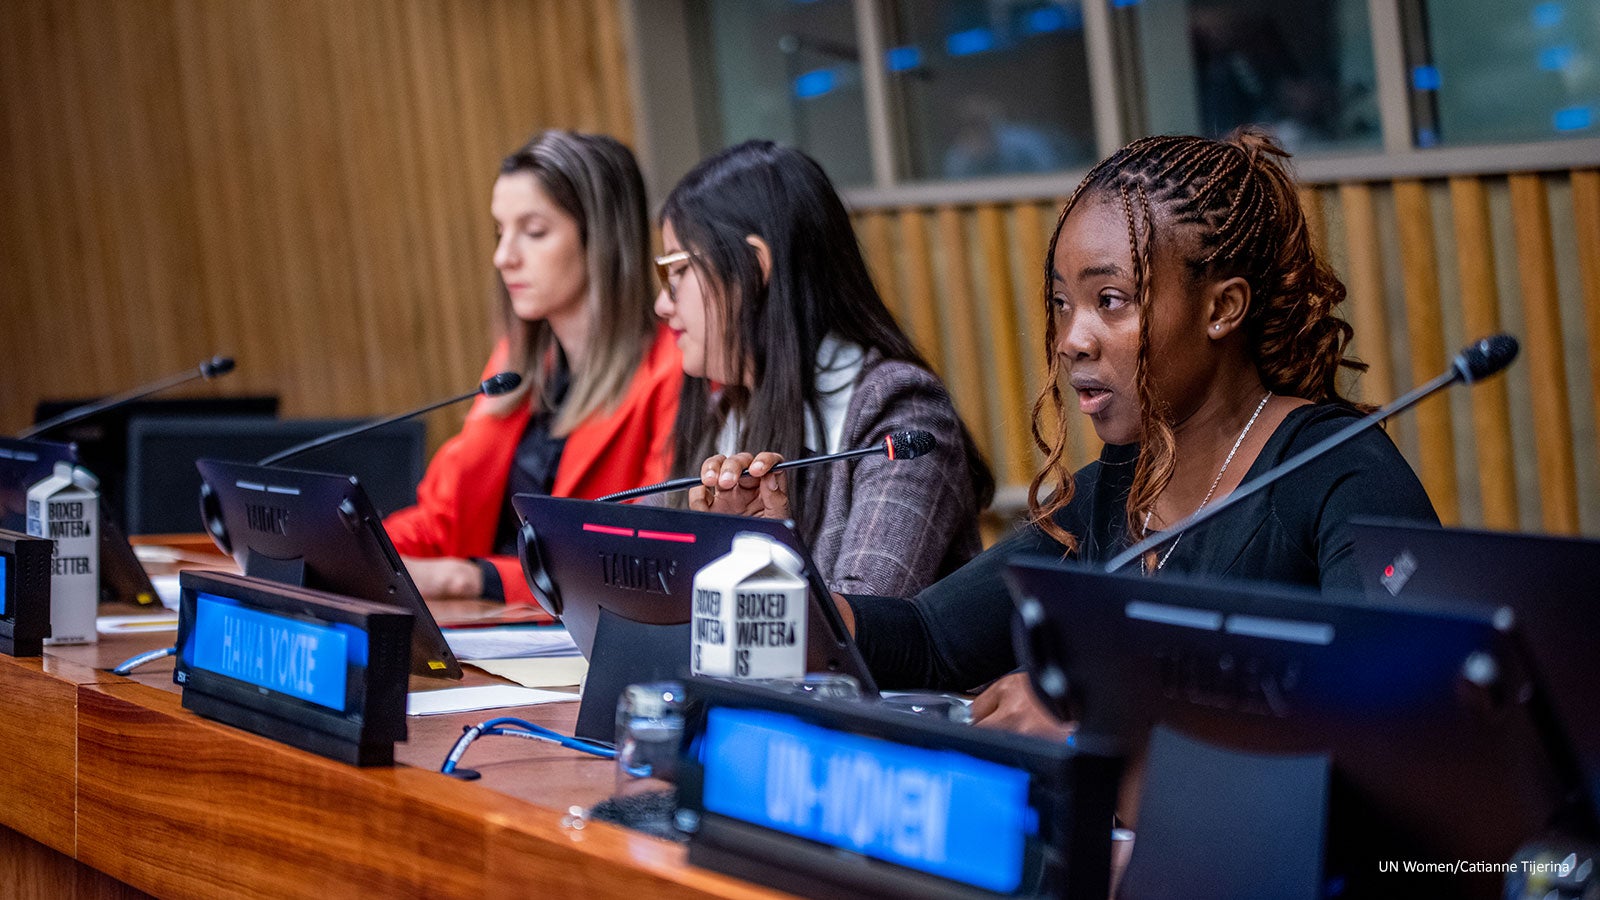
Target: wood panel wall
[(300, 184), (304, 185), (1429, 265)]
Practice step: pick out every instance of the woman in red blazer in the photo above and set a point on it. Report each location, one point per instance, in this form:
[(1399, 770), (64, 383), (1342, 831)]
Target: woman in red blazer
[(600, 377)]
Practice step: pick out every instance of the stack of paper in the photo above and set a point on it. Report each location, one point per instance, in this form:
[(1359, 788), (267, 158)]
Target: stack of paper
[(489, 696), (516, 642)]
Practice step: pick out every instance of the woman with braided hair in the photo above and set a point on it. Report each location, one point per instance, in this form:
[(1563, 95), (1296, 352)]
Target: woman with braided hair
[(1193, 322)]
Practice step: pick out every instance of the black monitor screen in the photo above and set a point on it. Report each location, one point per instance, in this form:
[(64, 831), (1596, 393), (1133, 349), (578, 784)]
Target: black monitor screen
[(25, 462), (103, 439), (162, 481), (319, 531), (1547, 580), (1440, 749), (621, 578)]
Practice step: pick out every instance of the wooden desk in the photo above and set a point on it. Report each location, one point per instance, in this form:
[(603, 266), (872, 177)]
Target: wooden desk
[(111, 773)]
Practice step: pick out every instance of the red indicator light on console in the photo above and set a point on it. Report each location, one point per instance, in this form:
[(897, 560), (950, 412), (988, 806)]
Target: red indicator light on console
[(676, 536)]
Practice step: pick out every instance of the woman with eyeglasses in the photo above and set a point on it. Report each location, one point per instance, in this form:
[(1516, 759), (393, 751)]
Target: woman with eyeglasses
[(600, 376), (789, 350)]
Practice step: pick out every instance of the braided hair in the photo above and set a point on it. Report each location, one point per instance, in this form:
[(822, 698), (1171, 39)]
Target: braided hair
[(1236, 199)]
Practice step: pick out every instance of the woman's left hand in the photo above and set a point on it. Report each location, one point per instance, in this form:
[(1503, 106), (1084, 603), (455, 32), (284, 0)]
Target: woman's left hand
[(445, 578), (743, 485), (1010, 704)]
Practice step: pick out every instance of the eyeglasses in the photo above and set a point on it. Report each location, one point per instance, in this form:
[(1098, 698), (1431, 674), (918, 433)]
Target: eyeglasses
[(669, 279)]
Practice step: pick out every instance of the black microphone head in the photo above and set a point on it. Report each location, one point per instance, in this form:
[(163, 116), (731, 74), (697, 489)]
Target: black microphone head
[(909, 444), (1486, 357), (216, 365), (504, 383)]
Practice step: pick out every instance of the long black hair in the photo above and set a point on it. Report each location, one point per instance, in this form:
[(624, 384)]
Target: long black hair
[(818, 285)]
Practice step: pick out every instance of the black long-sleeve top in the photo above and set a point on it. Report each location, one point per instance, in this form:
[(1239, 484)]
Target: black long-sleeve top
[(956, 634)]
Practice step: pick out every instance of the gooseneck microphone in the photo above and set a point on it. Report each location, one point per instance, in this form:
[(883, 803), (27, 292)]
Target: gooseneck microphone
[(495, 385), (897, 445), (209, 369), (1474, 363)]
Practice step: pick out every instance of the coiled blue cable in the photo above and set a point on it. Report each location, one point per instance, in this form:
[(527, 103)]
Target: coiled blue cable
[(513, 727)]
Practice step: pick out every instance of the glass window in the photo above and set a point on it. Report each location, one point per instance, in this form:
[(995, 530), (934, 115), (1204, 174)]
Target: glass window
[(788, 71), (1302, 68), (1512, 70), (988, 87)]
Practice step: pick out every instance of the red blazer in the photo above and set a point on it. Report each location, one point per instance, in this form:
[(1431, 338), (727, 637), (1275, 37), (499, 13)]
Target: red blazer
[(459, 500)]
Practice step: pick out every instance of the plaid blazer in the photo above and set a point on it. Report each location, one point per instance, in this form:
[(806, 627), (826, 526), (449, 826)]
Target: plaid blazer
[(893, 527)]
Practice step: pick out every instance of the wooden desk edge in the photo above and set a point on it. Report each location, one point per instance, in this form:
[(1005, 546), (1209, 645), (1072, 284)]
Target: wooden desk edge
[(263, 816)]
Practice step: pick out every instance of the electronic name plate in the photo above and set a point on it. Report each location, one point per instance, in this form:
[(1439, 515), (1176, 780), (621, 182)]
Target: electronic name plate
[(317, 671), (830, 799), (24, 593)]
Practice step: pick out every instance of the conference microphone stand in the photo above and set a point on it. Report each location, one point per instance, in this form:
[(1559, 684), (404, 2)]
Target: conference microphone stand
[(1478, 361), (211, 368)]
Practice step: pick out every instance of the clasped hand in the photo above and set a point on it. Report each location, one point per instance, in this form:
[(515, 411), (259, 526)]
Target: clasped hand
[(743, 485)]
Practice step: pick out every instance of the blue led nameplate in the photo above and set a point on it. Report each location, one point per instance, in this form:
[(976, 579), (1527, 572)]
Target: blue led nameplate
[(24, 593), (291, 656), (937, 811), (314, 670)]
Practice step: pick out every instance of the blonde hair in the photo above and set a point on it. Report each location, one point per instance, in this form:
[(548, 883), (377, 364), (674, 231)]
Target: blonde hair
[(595, 180)]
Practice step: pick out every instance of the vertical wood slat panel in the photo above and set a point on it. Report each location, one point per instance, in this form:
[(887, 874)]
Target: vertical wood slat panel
[(283, 150), (417, 302), (1425, 329), (22, 274), (95, 286), (360, 120), (616, 116), (1311, 204), (1366, 294), (1032, 241), (581, 64), (920, 299), (218, 148), (136, 53), (298, 184), (1558, 486), (1491, 408), (388, 311), (442, 223), (512, 44), (470, 162), (877, 245), (554, 64), (1586, 220), (241, 49), (1016, 466), (964, 374), (218, 320)]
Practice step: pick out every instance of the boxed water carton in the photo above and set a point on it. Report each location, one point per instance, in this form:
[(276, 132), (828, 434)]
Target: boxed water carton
[(749, 617), (65, 508)]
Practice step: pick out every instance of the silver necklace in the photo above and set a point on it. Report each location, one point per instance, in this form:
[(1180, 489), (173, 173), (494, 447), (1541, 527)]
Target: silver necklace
[(1214, 482)]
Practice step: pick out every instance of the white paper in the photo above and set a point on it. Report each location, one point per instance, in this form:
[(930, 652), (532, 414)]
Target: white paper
[(489, 696), (167, 589), (146, 624), (514, 642), (538, 673)]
